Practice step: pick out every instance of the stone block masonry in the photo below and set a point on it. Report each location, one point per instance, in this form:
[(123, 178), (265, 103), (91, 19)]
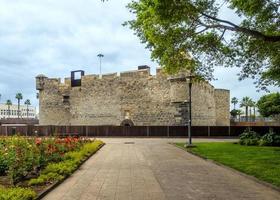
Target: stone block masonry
[(131, 98)]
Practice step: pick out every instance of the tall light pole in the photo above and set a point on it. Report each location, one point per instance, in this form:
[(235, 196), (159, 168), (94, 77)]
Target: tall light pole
[(189, 142), (100, 58)]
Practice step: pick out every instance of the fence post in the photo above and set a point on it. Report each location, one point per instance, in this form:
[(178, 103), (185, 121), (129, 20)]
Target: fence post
[(148, 131), (208, 131), (87, 131), (228, 130)]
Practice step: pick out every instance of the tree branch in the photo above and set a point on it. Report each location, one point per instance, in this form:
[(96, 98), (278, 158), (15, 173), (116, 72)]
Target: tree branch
[(236, 28)]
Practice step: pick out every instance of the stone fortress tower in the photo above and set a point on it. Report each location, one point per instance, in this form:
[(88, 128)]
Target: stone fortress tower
[(130, 98)]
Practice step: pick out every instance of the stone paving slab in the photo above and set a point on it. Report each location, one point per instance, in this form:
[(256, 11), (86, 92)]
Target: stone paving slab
[(153, 169)]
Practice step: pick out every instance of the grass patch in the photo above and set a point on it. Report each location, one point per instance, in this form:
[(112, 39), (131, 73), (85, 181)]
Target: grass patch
[(260, 162)]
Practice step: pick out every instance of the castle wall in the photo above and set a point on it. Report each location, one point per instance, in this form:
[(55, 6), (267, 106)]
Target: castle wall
[(133, 95), (222, 99), (52, 109)]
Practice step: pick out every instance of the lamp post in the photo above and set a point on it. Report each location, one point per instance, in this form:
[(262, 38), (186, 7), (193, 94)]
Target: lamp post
[(189, 142), (100, 57)]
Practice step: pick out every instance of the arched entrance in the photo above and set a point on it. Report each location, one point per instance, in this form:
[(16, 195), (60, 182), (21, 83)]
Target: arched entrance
[(127, 122)]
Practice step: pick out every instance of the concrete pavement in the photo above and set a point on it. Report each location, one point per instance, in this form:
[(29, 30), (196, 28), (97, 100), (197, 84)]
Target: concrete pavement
[(130, 168)]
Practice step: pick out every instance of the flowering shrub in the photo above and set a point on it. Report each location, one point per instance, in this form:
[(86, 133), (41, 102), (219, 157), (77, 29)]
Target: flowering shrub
[(71, 160), (20, 156)]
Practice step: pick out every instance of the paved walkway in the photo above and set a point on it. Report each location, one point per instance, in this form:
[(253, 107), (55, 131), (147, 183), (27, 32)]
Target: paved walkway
[(153, 169)]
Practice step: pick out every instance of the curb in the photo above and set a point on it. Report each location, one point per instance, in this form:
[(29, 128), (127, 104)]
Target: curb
[(269, 185), (55, 184)]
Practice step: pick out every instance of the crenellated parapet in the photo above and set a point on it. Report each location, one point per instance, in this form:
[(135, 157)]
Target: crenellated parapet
[(135, 96)]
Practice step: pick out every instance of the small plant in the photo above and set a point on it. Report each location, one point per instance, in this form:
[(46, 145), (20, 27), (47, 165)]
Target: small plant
[(270, 139), (249, 138), (16, 194)]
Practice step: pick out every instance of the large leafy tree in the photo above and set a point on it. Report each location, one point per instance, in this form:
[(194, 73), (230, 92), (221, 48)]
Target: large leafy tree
[(269, 105), (174, 29)]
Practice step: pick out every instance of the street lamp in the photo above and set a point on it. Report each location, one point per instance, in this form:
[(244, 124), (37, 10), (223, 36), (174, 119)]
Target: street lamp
[(100, 57), (189, 142)]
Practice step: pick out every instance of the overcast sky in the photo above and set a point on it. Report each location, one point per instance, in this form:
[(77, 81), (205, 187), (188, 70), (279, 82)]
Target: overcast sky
[(53, 37)]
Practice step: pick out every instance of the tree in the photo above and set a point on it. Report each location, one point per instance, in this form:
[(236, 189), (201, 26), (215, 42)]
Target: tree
[(234, 101), (169, 28), (269, 105), (19, 97), (251, 105), (239, 113), (27, 103), (9, 103), (246, 102), (234, 113)]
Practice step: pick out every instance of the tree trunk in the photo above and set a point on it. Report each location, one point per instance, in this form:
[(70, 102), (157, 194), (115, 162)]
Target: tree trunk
[(18, 107), (246, 113), (9, 111), (254, 114), (27, 111), (250, 111)]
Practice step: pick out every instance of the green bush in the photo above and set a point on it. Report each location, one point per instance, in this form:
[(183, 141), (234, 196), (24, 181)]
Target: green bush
[(270, 139), (16, 194), (71, 160), (248, 138), (44, 178)]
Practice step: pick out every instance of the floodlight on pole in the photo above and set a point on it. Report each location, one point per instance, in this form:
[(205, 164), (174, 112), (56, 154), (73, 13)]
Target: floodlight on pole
[(100, 60)]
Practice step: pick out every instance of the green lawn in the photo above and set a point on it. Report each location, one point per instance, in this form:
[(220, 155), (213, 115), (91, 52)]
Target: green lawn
[(261, 162)]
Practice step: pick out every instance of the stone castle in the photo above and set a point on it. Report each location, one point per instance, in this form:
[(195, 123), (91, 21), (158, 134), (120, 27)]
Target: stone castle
[(133, 98)]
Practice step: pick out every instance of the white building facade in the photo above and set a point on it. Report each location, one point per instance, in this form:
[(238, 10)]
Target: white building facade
[(12, 111)]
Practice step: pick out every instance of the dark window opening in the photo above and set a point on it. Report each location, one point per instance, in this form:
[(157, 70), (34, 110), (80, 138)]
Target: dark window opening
[(127, 123), (66, 99), (76, 78)]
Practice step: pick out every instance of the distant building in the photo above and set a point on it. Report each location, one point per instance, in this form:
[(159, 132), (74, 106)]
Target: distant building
[(5, 112)]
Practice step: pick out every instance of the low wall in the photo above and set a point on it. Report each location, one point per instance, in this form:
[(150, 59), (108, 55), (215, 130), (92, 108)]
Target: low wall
[(134, 131)]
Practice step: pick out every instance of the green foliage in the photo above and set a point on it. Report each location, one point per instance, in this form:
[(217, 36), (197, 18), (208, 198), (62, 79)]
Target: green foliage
[(71, 160), (189, 34), (269, 105), (16, 194), (270, 139), (261, 162), (234, 113), (21, 156), (249, 138), (46, 178)]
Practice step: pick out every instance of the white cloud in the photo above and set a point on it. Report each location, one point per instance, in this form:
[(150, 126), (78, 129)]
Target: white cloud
[(54, 37)]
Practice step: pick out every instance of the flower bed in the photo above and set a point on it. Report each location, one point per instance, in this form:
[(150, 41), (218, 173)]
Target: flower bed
[(38, 162)]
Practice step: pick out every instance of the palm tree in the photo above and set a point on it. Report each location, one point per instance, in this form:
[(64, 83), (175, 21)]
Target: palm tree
[(27, 103), (9, 103), (239, 113), (234, 101), (246, 102), (251, 104), (19, 97), (254, 105)]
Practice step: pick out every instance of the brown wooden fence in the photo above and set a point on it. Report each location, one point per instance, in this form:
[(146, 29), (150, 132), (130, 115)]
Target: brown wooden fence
[(134, 131)]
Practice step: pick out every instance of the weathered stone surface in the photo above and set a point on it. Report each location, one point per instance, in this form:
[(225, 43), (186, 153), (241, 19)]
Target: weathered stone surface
[(134, 95)]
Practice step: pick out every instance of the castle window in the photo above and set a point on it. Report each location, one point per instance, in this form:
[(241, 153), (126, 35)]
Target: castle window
[(66, 99)]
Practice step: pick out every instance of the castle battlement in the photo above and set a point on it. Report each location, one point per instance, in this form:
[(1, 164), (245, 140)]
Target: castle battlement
[(135, 95)]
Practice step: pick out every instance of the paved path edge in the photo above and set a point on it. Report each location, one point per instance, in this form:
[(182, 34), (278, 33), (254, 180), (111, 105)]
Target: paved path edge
[(56, 184), (269, 185)]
